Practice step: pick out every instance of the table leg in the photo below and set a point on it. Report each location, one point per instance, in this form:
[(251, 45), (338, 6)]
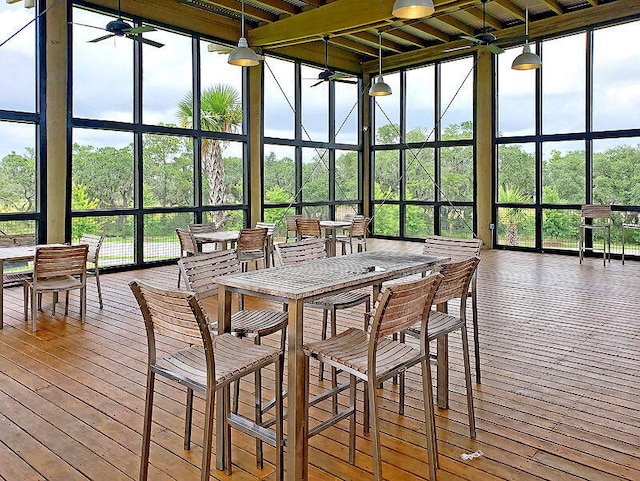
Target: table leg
[(224, 325), (297, 419), (443, 366), (2, 295)]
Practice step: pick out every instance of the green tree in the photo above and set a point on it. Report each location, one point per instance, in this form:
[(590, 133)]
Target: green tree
[(80, 200), (18, 182), (512, 217), (221, 111)]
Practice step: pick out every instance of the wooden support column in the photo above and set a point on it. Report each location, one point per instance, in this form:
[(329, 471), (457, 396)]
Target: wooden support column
[(56, 119), (256, 150), (484, 148)]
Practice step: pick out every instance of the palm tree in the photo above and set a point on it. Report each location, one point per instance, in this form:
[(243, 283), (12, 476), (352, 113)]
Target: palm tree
[(220, 111), (512, 216)]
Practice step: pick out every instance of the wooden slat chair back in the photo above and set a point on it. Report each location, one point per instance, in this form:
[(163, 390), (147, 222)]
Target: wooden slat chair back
[(374, 357), (308, 228), (596, 217), (203, 228), (208, 366), (188, 246), (16, 274), (93, 257), (292, 226), (455, 282), (457, 249), (271, 230), (57, 269), (201, 271), (252, 246), (357, 235), (306, 251)]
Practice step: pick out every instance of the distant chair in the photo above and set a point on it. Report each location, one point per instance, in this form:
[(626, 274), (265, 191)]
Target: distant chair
[(308, 228), (95, 243), (457, 249), (22, 272), (271, 230), (57, 269), (600, 219), (208, 366), (188, 246), (203, 229), (308, 250), (252, 247), (357, 235), (292, 227)]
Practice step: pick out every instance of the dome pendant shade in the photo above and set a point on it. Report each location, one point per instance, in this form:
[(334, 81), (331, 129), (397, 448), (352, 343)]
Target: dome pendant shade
[(413, 8), (380, 88), (243, 56), (527, 60)]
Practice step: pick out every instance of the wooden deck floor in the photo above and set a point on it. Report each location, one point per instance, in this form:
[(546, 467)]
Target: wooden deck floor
[(560, 398)]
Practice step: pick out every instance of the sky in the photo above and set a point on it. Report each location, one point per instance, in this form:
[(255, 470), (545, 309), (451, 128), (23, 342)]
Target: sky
[(103, 85)]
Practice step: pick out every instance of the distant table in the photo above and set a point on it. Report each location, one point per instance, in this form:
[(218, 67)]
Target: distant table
[(222, 237), (302, 283), (331, 230), (13, 254), (627, 226)]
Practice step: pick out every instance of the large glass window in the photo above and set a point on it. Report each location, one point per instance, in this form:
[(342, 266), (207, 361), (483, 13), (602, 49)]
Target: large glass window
[(516, 96), (279, 98)]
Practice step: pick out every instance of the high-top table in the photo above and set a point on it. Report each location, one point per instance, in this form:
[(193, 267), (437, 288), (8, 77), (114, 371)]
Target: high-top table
[(331, 230), (302, 283)]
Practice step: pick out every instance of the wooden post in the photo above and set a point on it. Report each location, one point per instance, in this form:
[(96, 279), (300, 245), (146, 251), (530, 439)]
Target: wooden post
[(255, 144), (484, 150), (56, 120)]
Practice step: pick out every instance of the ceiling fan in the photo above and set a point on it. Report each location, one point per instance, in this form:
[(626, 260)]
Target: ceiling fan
[(330, 74), (120, 28), (487, 39)]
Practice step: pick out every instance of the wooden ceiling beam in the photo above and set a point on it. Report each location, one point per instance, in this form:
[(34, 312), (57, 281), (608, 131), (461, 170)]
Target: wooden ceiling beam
[(553, 5), (512, 8), (356, 46), (457, 24), (279, 5), (489, 20), (337, 18), (372, 40), (432, 31), (407, 37), (567, 22), (313, 53), (249, 11)]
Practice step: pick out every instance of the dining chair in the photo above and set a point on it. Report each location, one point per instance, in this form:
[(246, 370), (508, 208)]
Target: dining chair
[(456, 277), (188, 246), (457, 249), (95, 244), (356, 235), (596, 217), (308, 228), (308, 250), (271, 230), (292, 227), (372, 356), (201, 273), (208, 366), (204, 228), (16, 273), (57, 269), (252, 247)]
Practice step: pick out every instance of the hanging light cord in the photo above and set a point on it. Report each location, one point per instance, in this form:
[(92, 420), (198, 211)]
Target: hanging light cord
[(242, 18), (379, 54), (30, 22)]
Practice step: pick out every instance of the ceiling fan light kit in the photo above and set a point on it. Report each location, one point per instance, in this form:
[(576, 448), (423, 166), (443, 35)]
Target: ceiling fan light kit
[(379, 88), (413, 8), (527, 60), (242, 55)]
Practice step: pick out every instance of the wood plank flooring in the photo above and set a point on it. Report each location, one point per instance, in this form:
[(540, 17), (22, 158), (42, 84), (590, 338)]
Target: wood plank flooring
[(559, 401)]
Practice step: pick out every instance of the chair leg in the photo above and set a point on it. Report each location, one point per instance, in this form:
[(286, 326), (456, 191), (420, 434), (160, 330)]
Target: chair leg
[(334, 370), (236, 396), (325, 313), (25, 300), (54, 302), (476, 340), (352, 419), (207, 441), (258, 410), (83, 303), (146, 430), (581, 244), (227, 430), (467, 375), (366, 415), (34, 309), (429, 417), (179, 279), (375, 428), (188, 419), (401, 393), (98, 286), (66, 303), (279, 418)]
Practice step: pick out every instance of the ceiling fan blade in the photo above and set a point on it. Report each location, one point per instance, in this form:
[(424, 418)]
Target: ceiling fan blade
[(494, 49), (512, 40), (345, 81), (85, 25), (457, 48), (100, 39), (471, 39), (317, 83), (143, 29), (141, 39)]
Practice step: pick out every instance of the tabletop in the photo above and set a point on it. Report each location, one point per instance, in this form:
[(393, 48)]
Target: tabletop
[(218, 236)]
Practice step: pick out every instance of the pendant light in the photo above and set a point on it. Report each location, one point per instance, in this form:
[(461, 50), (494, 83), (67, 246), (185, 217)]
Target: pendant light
[(527, 60), (379, 88), (413, 8), (242, 55)]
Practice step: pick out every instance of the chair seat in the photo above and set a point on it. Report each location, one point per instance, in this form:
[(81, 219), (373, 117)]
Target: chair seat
[(16, 278), (234, 359), (441, 323), (350, 349), (61, 283), (247, 256), (261, 323), (340, 301)]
